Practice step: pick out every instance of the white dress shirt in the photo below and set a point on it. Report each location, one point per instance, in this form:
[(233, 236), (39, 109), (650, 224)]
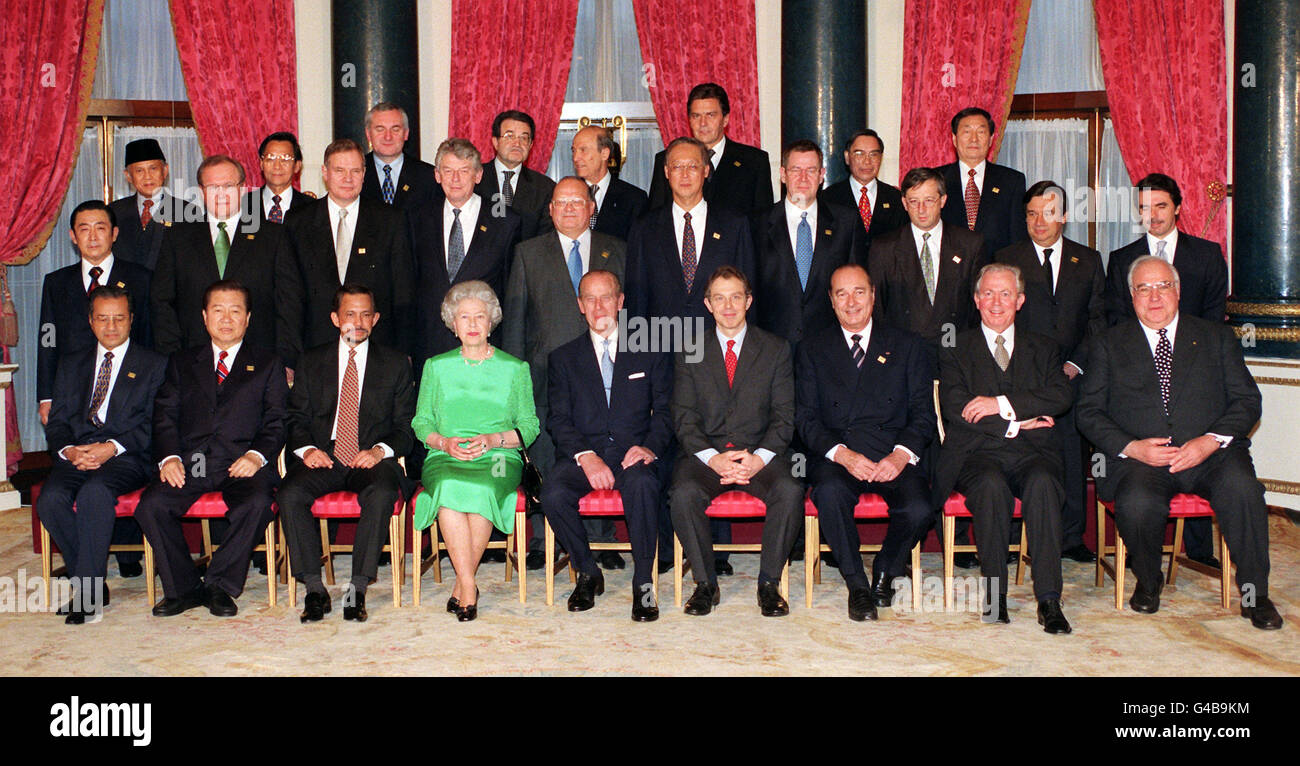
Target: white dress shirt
[(584, 249), (349, 223), (119, 354), (1005, 410), (232, 223), (598, 348), (1171, 244), (394, 169), (363, 353), (468, 222), (699, 214), (500, 169), (705, 455), (793, 215), (286, 199), (106, 265), (873, 188), (157, 203), (717, 150), (965, 178)]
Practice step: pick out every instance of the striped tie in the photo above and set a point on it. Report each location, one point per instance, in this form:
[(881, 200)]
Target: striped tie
[(387, 189), (972, 201), (101, 389), (859, 356), (222, 369), (345, 440)]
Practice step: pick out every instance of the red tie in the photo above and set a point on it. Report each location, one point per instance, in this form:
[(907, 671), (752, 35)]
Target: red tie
[(730, 360), (95, 272), (972, 201), (146, 216), (345, 437), (222, 369), (864, 209)]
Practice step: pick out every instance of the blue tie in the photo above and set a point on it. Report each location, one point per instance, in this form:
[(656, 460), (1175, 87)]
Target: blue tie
[(607, 370), (575, 267), (803, 250), (388, 184)]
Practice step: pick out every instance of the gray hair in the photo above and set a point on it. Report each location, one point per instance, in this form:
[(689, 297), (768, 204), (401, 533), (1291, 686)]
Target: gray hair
[(476, 289), (1007, 268), (462, 148), (387, 106), (1148, 259)]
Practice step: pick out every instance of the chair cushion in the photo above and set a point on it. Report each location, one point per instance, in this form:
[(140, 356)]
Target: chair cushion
[(956, 506), (601, 502), (870, 506), (735, 505), (1183, 506), (344, 505)]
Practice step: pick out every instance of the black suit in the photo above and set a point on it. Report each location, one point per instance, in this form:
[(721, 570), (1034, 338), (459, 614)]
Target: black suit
[(532, 198), (84, 535), (308, 276), (417, 186), (782, 305), (254, 202), (580, 419), (384, 415), (142, 245), (622, 206), (886, 215), (1211, 391), (742, 181), (870, 410), (1202, 278), (1000, 218), (990, 468), (209, 427)]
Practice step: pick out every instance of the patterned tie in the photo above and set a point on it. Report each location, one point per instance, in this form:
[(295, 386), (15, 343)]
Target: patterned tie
[(388, 184), (146, 216), (222, 369), (927, 266), (864, 209), (345, 441), (596, 210), (972, 201), (1160, 251), (688, 252), (1000, 354), (95, 271), (607, 369), (507, 190), (575, 266), (803, 250), (101, 389), (859, 355), (1164, 365), (222, 249), (277, 214), (455, 247), (342, 246), (1047, 270), (730, 361)]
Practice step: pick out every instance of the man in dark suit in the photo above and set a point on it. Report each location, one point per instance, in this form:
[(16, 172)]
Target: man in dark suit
[(392, 176), (733, 411), (457, 240), (280, 159), (98, 434), (143, 217), (349, 418), (219, 422), (879, 205), (1000, 389), (521, 189), (618, 203), (1168, 400), (983, 197), (865, 411), (610, 420), (740, 176), (799, 242), (1064, 281), (221, 245), (345, 238)]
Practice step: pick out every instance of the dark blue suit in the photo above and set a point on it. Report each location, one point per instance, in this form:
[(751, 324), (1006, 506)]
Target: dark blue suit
[(622, 206), (1000, 218)]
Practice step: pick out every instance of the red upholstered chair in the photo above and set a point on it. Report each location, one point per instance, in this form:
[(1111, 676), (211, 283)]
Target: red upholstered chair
[(515, 545), (870, 507), (1181, 508), (733, 505), (955, 508), (598, 502), (125, 509), (344, 506)]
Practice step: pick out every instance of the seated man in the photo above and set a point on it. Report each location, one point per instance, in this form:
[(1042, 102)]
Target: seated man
[(1169, 401), (98, 432), (866, 413), (1000, 388), (328, 427), (733, 411), (610, 421), (218, 425)]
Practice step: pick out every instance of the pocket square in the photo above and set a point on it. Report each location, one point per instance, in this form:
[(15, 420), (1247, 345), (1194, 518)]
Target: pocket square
[(636, 375)]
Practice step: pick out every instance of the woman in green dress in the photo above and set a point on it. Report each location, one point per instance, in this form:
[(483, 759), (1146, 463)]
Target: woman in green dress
[(471, 401)]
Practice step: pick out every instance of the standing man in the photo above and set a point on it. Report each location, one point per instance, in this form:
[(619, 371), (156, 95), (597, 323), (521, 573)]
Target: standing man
[(349, 418), (618, 203), (1000, 390), (522, 189), (218, 426), (145, 215), (984, 197), (280, 159), (740, 176), (99, 436), (879, 205), (392, 176)]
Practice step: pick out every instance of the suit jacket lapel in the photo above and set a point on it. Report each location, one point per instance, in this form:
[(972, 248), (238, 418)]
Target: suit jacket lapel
[(206, 373), (750, 358), (821, 244), (1186, 348), (125, 377), (362, 236), (948, 276), (778, 233)]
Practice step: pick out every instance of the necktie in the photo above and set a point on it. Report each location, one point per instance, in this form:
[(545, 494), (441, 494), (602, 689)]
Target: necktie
[(455, 247), (688, 252), (803, 250), (1164, 365), (508, 191), (101, 389), (146, 216), (222, 369), (388, 184), (345, 437), (575, 266), (1047, 270), (1000, 354), (595, 211), (864, 209), (342, 246), (972, 201), (1160, 251), (730, 360), (859, 355), (222, 248), (277, 214), (927, 266), (607, 370), (713, 167), (95, 271)]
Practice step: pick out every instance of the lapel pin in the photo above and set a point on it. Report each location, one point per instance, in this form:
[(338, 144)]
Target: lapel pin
[(250, 236), (482, 228), (1074, 259), (361, 251), (119, 284), (996, 190), (717, 235), (956, 259), (885, 205), (168, 224), (248, 367), (880, 359), (828, 232), (604, 254), (406, 187), (130, 374), (736, 163)]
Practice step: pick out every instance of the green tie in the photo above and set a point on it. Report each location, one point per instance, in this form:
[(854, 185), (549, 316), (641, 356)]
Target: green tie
[(222, 249)]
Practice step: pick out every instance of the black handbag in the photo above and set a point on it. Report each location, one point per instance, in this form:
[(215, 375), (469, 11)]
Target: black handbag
[(531, 481)]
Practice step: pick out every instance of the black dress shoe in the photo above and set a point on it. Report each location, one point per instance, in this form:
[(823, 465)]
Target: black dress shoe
[(703, 599), (494, 556), (644, 613), (534, 560), (354, 606), (585, 592), (315, 606), (882, 591), (998, 614), (861, 605), (1209, 561), (665, 566), (722, 567), (1145, 601), (1263, 615), (1051, 617), (965, 560), (770, 601), (453, 603), (76, 600), (130, 569), (1079, 553), (610, 560), (170, 607), (220, 604)]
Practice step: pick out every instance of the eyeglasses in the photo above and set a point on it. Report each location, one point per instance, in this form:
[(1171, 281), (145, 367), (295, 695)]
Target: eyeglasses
[(874, 154), (278, 158), (570, 203), (523, 138), (1146, 288), (686, 167), (803, 172)]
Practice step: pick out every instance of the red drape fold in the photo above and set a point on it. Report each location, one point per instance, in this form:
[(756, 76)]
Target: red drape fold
[(510, 54), (1166, 82), (240, 67), (684, 44), (957, 53)]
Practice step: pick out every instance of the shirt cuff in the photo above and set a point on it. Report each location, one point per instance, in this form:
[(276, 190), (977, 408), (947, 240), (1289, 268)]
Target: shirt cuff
[(1005, 410), (1223, 441), (387, 450), (830, 453), (46, 401), (588, 452), (117, 445), (765, 455), (1013, 429), (169, 457), (65, 449), (705, 455), (258, 455), (301, 452), (912, 457), (1075, 366)]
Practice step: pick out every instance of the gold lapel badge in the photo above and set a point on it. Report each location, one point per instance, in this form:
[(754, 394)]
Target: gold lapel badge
[(996, 190), (248, 367), (717, 235), (130, 374)]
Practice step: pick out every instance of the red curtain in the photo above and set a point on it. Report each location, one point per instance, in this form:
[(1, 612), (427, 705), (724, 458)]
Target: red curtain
[(1164, 63), (958, 53), (684, 44), (510, 54), (240, 70)]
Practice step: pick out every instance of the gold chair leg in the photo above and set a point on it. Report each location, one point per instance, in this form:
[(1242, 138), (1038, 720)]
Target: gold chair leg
[(917, 579), (949, 536), (1022, 554), (654, 574), (149, 587), (548, 550), (395, 559), (47, 562), (207, 538), (436, 537), (1225, 574), (785, 581), (1121, 555), (677, 571), (810, 554), (1176, 552), (417, 561), (521, 554), (293, 582), (1101, 544), (270, 564), (326, 551)]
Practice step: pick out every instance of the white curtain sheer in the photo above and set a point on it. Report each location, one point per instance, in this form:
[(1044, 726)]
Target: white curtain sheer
[(181, 148), (639, 154), (137, 53), (1055, 150), (1117, 222), (1061, 52)]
